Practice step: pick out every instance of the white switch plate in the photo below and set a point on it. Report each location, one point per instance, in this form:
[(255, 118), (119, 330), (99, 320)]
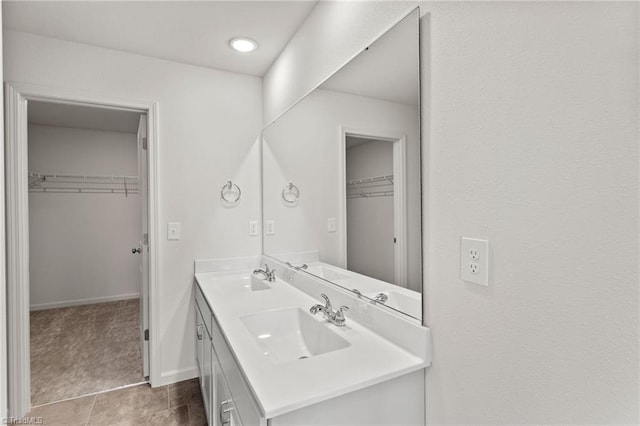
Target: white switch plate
[(270, 226), (331, 224), (253, 228), (173, 231), (474, 261)]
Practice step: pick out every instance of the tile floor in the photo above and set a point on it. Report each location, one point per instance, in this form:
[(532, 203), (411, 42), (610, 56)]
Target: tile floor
[(84, 349), (175, 404)]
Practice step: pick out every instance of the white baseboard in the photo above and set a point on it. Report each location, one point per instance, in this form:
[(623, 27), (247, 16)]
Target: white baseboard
[(175, 376), (66, 303)]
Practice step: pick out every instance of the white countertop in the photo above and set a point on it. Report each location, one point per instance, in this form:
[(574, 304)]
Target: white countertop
[(282, 388)]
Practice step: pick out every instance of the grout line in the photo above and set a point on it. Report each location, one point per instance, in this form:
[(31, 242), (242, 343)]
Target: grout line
[(95, 397)]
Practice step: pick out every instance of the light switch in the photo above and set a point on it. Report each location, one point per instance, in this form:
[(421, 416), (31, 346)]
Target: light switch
[(253, 228), (270, 226), (474, 261), (173, 231), (331, 224)]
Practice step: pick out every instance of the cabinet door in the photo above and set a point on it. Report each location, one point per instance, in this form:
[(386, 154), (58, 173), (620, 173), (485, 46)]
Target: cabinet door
[(203, 359), (199, 340), (223, 410)]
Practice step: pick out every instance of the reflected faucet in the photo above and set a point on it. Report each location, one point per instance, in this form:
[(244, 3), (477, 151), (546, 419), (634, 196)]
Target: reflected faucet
[(268, 274), (334, 317), (297, 268), (381, 297)]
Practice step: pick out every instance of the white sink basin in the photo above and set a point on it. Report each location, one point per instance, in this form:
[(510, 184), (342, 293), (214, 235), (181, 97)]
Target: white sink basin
[(401, 302), (241, 283), (290, 334)]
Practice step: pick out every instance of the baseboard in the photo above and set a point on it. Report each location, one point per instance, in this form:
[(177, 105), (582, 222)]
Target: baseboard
[(66, 303), (175, 376)]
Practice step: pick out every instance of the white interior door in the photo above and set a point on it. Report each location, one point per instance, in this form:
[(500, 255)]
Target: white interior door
[(144, 243)]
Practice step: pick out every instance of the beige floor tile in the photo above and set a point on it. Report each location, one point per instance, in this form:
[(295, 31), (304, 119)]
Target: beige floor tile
[(184, 392), (197, 415), (84, 349), (68, 413), (178, 416), (125, 404)]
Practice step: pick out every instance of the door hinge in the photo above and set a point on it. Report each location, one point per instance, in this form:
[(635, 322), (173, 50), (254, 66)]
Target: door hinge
[(145, 239), (146, 335), (144, 142)]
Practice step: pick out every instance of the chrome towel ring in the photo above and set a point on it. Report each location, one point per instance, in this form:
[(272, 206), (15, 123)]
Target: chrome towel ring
[(230, 194), (290, 194)]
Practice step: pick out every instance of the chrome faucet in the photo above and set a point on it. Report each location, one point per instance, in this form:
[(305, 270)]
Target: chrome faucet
[(269, 274), (381, 297), (297, 268), (334, 317)]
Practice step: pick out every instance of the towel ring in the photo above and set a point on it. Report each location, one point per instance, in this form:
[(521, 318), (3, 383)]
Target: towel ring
[(230, 193), (290, 193)]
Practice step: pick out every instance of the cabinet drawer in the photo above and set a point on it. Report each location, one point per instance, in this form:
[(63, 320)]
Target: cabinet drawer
[(243, 400), (204, 308)]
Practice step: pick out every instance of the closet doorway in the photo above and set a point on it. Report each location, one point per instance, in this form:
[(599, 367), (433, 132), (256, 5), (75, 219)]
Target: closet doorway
[(85, 210), (374, 206), (78, 215)]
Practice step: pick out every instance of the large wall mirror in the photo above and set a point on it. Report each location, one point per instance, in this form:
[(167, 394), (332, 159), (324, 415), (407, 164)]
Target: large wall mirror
[(342, 176)]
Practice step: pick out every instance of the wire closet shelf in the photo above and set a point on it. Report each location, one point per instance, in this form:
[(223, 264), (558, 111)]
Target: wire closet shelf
[(83, 184), (375, 186)]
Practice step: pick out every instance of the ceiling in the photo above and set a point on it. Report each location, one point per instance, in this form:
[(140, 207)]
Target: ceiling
[(82, 117), (191, 32)]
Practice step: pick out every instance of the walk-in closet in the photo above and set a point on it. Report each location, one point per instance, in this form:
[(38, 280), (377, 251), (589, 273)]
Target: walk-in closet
[(85, 201)]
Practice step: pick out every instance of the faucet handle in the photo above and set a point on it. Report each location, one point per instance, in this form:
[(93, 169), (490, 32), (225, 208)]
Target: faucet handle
[(339, 315)]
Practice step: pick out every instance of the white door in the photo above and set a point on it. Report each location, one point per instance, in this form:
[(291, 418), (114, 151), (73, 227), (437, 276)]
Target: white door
[(144, 244)]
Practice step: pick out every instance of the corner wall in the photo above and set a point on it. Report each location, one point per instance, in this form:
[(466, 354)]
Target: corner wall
[(530, 114), (208, 124)]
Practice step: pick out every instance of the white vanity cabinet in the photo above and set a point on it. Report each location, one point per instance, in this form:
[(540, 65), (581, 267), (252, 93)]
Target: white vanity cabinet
[(230, 398)]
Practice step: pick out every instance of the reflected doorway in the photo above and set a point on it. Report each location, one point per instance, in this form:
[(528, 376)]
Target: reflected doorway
[(375, 217)]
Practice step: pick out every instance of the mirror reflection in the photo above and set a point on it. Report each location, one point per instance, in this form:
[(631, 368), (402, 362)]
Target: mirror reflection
[(341, 176)]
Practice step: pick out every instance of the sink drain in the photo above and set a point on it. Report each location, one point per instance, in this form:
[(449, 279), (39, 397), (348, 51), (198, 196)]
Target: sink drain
[(303, 357)]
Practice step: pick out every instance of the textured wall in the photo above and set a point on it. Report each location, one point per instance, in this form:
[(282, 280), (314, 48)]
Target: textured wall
[(530, 133)]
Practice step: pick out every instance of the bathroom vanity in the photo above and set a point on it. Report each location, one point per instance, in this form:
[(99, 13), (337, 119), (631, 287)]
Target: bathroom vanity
[(265, 359)]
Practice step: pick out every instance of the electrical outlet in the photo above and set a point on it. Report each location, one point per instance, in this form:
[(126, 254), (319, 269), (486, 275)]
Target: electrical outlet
[(474, 254), (331, 224), (474, 261)]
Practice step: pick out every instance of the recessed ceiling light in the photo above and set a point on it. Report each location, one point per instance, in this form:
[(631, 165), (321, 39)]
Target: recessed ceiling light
[(243, 44)]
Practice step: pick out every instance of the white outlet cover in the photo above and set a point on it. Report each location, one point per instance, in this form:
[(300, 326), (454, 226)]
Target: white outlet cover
[(331, 224), (474, 261)]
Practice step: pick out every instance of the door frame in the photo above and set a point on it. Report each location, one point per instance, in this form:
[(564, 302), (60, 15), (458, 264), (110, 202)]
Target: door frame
[(17, 226), (399, 197)]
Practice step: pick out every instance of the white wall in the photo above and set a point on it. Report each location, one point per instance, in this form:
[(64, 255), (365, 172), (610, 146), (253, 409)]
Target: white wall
[(80, 244), (304, 148), (208, 124), (370, 230), (530, 126)]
